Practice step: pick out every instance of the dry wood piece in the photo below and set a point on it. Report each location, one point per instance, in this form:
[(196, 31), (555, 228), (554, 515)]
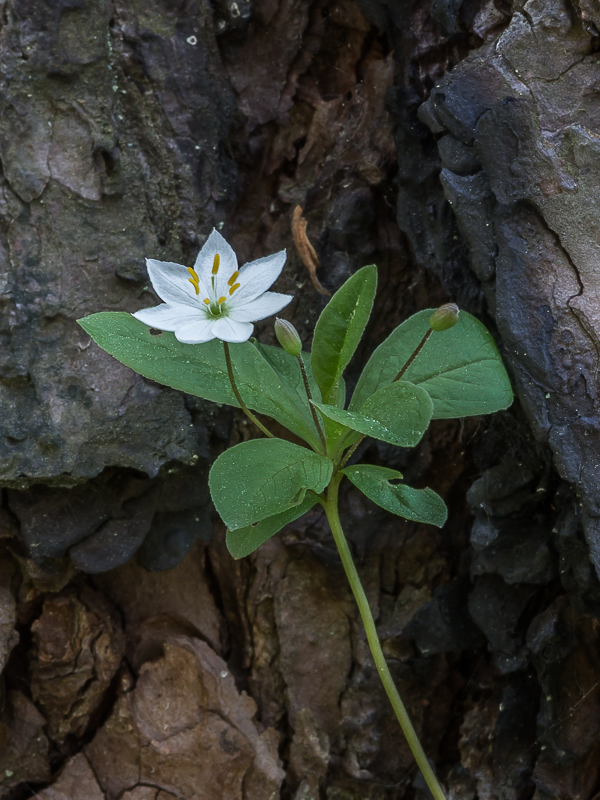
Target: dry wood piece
[(306, 250)]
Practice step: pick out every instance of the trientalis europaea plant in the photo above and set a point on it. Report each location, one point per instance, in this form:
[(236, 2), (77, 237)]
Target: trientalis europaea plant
[(437, 364)]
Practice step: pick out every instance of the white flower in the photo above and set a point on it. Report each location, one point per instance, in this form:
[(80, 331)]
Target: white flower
[(214, 300)]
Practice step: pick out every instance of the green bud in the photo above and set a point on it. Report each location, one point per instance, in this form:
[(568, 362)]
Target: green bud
[(288, 337), (445, 317)]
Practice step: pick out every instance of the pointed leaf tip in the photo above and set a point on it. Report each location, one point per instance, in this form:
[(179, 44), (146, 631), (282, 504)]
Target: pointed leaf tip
[(340, 328)]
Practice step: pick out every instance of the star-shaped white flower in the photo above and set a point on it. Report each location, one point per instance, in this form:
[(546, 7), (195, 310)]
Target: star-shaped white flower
[(214, 300)]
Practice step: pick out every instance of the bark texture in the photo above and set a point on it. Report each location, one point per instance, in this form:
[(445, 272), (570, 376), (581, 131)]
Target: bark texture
[(454, 143)]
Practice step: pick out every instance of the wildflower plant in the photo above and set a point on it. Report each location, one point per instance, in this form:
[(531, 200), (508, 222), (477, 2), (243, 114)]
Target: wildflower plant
[(438, 364)]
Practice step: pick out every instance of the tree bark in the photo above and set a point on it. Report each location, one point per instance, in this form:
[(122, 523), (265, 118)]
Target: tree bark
[(456, 145)]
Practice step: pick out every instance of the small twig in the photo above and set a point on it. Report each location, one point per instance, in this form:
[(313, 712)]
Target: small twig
[(238, 397), (313, 410), (306, 250)]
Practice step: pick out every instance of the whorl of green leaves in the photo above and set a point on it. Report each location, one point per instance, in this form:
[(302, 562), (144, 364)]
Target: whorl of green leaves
[(263, 484)]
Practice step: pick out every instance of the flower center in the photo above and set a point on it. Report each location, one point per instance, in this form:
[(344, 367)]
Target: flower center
[(216, 306)]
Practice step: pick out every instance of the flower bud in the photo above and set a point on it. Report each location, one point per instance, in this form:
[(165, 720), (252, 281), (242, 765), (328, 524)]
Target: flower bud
[(288, 337), (445, 317)]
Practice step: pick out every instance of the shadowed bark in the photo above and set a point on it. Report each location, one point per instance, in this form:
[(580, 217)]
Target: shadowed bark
[(454, 144)]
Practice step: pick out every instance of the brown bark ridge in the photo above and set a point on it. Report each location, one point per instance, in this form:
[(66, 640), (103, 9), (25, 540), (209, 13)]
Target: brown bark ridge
[(454, 143)]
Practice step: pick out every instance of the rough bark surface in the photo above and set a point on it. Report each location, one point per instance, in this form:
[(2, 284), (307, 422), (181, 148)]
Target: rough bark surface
[(454, 143)]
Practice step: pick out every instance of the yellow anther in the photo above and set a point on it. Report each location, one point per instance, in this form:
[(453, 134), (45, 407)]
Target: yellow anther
[(207, 301), (194, 280), (221, 300), (233, 278), (216, 263), (233, 288)]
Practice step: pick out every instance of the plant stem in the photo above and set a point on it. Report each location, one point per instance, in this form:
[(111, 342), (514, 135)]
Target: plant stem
[(351, 451), (331, 509), (238, 397), (313, 410), (416, 352)]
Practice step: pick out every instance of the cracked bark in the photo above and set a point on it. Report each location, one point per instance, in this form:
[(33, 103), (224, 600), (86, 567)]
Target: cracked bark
[(453, 144)]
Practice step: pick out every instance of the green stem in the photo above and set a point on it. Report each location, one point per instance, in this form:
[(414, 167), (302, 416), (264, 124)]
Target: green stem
[(331, 509), (312, 408), (351, 451), (238, 397)]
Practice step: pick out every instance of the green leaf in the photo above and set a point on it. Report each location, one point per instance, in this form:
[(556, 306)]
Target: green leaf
[(244, 541), (460, 368), (341, 398), (339, 329), (335, 434), (263, 477), (398, 414), (419, 505), (200, 369)]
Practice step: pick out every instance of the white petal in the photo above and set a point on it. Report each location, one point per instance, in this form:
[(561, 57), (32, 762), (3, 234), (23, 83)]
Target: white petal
[(266, 305), (256, 277), (171, 283), (196, 332), (168, 318), (229, 330), (216, 244)]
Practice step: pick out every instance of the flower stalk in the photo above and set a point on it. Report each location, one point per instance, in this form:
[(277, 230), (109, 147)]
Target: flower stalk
[(238, 396)]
